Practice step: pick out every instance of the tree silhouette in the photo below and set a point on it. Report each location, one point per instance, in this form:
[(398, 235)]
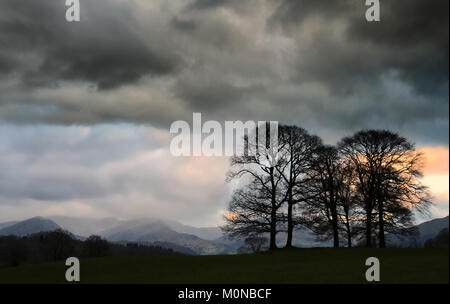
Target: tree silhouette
[(320, 213), (296, 151), (366, 186), (255, 209), (387, 177), (96, 246)]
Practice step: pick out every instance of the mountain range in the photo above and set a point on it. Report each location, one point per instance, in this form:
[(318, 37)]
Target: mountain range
[(174, 235), (427, 230), (164, 233), (30, 226)]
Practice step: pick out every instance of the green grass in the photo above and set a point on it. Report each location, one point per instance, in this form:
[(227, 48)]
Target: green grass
[(318, 265)]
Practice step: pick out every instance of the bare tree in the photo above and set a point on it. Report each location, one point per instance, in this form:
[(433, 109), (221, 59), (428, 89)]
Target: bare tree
[(256, 209), (296, 153), (250, 212), (320, 212), (348, 202), (387, 171), (96, 246)]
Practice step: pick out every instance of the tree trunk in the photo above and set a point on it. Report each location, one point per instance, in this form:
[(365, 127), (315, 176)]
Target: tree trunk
[(381, 238), (335, 238), (349, 233), (347, 227), (290, 228), (333, 207), (273, 230), (369, 227), (273, 214), (334, 223)]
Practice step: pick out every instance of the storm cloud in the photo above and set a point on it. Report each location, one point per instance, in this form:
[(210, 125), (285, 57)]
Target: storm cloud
[(90, 95), (295, 61), (320, 65), (104, 50)]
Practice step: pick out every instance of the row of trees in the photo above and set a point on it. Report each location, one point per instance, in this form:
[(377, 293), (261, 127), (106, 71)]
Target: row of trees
[(59, 245), (363, 188)]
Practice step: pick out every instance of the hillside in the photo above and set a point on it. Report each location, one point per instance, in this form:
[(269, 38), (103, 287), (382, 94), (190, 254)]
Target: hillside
[(6, 224), (85, 226), (159, 231), (30, 226), (426, 230), (431, 228), (179, 237)]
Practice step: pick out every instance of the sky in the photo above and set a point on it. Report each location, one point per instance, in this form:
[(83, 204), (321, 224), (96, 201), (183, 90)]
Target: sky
[(86, 107)]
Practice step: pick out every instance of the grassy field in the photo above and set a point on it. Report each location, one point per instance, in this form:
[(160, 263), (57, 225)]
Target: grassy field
[(321, 265)]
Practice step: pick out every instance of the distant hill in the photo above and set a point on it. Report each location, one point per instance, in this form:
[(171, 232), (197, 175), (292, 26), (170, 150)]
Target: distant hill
[(30, 226), (165, 233), (174, 247), (6, 224), (427, 230), (179, 237), (159, 231), (207, 233), (431, 228), (85, 226)]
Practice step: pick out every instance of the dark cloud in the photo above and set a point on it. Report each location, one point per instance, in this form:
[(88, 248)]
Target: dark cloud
[(201, 5), (392, 73), (210, 93), (291, 12), (184, 25), (417, 32), (314, 63), (411, 38), (208, 4), (102, 49), (77, 99)]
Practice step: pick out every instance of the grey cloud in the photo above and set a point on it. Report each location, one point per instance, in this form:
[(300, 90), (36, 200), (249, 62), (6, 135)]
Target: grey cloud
[(411, 38), (184, 25), (83, 105), (209, 93), (114, 170), (102, 49), (317, 64), (417, 32), (208, 4)]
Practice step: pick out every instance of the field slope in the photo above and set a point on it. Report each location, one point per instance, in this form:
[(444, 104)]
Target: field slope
[(318, 265)]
